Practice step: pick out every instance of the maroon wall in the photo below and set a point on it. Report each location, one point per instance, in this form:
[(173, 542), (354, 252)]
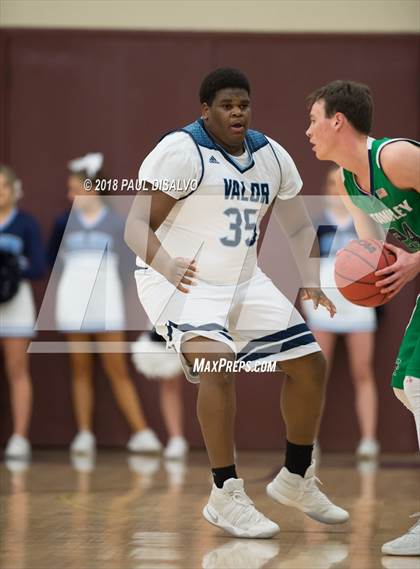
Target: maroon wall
[(64, 93)]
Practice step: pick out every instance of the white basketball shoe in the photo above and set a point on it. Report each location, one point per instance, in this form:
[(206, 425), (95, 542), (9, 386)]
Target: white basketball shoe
[(230, 509), (407, 544), (303, 493)]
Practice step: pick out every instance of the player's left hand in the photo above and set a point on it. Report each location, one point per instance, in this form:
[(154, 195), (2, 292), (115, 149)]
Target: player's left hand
[(405, 268), (318, 297)]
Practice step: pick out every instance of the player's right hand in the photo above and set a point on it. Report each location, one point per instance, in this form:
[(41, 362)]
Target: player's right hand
[(318, 298), (182, 272)]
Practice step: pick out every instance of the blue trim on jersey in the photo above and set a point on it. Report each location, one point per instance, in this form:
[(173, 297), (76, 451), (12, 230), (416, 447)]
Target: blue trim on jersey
[(254, 141), (209, 327), (277, 160), (199, 134), (274, 337)]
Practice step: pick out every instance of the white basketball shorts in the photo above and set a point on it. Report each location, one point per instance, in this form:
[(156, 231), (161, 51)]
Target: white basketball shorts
[(254, 319)]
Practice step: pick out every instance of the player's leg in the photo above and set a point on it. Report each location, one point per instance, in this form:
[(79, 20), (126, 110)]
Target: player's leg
[(303, 389), (229, 507), (116, 369), (407, 366), (360, 347), (327, 342), (17, 370), (288, 340), (194, 326), (216, 401), (302, 402), (406, 385), (412, 384)]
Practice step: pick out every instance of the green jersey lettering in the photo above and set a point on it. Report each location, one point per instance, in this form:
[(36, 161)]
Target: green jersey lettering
[(397, 210)]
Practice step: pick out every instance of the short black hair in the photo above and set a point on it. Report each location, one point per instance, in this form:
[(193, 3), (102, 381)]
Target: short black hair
[(222, 78), (352, 99)]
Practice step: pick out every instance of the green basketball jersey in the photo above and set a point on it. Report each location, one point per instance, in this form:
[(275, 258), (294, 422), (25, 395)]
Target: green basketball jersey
[(398, 211)]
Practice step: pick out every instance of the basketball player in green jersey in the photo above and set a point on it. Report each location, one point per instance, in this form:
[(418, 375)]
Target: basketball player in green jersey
[(380, 184)]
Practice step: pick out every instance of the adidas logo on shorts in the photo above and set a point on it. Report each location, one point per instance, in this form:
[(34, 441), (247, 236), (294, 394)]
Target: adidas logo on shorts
[(213, 160)]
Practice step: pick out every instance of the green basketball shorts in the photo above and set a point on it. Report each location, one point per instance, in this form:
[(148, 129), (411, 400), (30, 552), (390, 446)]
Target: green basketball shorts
[(408, 360)]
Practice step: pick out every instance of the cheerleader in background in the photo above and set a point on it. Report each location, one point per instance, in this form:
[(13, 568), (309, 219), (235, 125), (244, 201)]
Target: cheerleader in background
[(22, 259), (155, 363), (356, 323), (90, 251)]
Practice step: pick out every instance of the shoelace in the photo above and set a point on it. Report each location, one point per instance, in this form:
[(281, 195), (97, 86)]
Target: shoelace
[(309, 486), (245, 513), (241, 498)]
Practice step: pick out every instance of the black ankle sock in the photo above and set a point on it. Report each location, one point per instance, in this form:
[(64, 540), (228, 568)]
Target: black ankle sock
[(298, 458), (223, 473)]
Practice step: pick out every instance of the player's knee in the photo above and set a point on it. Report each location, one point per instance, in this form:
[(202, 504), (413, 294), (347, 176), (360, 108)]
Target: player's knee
[(213, 360), (206, 351), (222, 381), (318, 365), (219, 370), (312, 367)]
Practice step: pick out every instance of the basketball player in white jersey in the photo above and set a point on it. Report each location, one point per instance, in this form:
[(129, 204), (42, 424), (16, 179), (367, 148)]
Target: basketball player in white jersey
[(195, 233)]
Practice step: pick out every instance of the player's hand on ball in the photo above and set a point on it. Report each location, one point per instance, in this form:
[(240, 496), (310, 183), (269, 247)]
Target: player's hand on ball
[(405, 269), (182, 272), (319, 298)]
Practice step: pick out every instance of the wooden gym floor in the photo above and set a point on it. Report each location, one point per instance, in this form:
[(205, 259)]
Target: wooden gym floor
[(132, 512)]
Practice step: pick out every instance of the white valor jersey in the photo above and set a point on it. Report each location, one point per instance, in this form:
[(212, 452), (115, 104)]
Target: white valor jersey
[(221, 199)]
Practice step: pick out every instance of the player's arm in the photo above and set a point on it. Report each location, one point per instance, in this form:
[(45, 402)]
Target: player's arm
[(300, 232), (365, 227), (150, 208), (401, 163)]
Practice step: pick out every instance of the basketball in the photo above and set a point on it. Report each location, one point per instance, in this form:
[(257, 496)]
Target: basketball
[(355, 268)]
